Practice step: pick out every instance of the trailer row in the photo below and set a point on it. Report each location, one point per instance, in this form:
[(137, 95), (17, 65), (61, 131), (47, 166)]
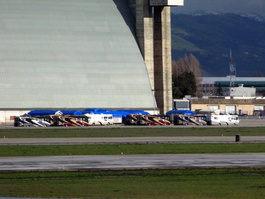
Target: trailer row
[(104, 120), (64, 120), (91, 119)]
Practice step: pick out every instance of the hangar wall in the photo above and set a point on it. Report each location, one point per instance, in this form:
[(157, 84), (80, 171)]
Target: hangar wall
[(67, 54)]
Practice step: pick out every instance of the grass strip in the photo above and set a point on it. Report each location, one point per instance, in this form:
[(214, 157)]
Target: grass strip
[(128, 132), (129, 149), (185, 184)]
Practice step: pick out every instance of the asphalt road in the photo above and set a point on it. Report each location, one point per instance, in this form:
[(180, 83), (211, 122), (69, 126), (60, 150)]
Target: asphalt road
[(131, 162)]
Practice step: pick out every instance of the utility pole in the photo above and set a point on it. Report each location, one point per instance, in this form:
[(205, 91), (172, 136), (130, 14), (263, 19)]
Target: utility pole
[(232, 68)]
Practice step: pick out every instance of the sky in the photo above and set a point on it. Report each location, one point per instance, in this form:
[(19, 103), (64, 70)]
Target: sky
[(224, 6)]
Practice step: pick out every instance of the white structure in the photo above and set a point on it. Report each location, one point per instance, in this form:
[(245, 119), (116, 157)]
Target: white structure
[(166, 2), (242, 91), (100, 119), (223, 119), (209, 85), (65, 54)]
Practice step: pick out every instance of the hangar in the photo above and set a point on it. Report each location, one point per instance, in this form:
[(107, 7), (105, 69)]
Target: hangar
[(80, 54)]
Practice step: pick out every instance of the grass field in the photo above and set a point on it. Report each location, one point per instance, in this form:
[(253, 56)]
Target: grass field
[(184, 184), (128, 132), (129, 149)]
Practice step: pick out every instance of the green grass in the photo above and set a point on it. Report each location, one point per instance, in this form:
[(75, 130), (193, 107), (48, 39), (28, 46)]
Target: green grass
[(129, 149), (185, 184), (129, 132)]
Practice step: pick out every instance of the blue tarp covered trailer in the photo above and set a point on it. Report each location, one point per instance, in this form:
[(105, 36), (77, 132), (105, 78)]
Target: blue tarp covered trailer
[(53, 112), (41, 112), (115, 113), (183, 112), (74, 112), (118, 115)]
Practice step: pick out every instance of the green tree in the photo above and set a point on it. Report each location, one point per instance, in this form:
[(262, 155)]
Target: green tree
[(184, 84)]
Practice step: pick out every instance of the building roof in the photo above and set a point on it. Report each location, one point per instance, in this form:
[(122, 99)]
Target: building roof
[(70, 54), (212, 80)]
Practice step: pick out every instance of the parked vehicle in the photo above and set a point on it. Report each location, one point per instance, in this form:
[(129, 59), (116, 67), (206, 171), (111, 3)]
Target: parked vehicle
[(223, 119), (99, 119), (150, 120), (25, 121)]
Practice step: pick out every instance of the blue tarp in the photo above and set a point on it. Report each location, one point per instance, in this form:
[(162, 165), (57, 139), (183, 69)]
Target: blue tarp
[(184, 112), (72, 112), (41, 112), (52, 112), (116, 113), (98, 111)]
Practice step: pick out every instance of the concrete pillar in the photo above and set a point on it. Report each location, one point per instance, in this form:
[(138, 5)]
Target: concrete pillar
[(144, 32), (153, 29), (162, 58)]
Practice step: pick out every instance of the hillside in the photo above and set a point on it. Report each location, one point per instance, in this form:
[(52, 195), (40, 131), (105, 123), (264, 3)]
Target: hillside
[(211, 36)]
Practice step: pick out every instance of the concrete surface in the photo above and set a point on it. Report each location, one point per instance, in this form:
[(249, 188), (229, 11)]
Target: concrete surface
[(131, 162)]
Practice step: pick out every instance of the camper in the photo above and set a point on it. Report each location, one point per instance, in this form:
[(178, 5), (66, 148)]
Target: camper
[(25, 121), (86, 120), (99, 119), (149, 120), (223, 119), (219, 117)]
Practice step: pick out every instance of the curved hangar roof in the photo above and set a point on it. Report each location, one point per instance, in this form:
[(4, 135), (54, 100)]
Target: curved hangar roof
[(70, 54)]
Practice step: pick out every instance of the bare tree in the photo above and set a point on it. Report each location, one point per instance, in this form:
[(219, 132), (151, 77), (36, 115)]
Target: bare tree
[(188, 64)]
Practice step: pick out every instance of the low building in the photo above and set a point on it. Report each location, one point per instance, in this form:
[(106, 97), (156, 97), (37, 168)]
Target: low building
[(181, 104), (232, 106), (242, 91), (209, 85)]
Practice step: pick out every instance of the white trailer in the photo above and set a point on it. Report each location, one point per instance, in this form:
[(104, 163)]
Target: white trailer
[(99, 119), (223, 119), (22, 121)]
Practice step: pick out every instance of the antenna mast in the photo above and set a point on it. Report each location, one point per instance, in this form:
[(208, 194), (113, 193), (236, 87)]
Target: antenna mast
[(232, 68)]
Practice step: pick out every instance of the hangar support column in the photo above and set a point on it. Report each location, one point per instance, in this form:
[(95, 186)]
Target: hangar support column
[(162, 58), (153, 27)]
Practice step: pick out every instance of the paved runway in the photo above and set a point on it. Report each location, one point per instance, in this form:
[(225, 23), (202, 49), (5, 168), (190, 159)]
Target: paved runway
[(131, 162)]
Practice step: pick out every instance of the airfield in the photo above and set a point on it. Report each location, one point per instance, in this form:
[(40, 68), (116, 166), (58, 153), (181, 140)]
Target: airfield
[(124, 161), (120, 162), (150, 167)]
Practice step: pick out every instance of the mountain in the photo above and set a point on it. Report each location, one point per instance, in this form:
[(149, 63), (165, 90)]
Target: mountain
[(210, 36), (256, 7)]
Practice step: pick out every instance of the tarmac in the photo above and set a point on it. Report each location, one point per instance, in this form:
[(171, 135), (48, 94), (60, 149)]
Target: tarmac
[(121, 162)]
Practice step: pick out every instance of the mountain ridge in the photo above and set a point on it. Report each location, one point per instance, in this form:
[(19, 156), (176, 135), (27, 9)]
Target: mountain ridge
[(211, 36)]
